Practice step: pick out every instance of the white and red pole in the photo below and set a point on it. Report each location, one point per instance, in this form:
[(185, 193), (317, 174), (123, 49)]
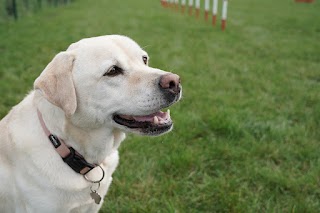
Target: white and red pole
[(164, 3), (171, 3), (197, 8), (206, 9), (224, 14), (176, 4), (183, 5), (190, 7), (214, 12)]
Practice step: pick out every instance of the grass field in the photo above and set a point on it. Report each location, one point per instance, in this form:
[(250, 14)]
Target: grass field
[(247, 132)]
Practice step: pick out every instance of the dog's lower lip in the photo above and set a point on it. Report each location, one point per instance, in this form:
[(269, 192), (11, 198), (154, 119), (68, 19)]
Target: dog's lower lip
[(153, 124)]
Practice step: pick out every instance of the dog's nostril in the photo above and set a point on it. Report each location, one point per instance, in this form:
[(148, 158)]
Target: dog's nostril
[(170, 82)]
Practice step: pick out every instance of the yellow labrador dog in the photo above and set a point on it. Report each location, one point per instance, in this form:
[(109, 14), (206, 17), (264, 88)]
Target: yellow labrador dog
[(58, 147)]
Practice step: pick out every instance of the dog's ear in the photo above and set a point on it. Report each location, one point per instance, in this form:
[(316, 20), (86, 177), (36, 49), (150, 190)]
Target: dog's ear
[(56, 83)]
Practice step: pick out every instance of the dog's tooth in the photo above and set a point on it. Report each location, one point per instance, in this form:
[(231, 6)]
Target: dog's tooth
[(155, 120), (168, 113)]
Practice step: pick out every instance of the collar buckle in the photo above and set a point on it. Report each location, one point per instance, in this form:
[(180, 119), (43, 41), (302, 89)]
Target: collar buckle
[(78, 163)]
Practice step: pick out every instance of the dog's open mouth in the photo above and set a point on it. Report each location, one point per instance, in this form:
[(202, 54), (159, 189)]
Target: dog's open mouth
[(153, 124)]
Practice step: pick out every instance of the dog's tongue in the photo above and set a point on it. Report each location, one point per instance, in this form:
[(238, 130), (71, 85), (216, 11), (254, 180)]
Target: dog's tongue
[(156, 118)]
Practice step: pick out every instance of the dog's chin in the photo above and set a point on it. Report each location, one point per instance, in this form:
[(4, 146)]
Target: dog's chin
[(153, 124)]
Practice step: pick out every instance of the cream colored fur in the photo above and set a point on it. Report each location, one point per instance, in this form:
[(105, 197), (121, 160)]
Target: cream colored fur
[(77, 103)]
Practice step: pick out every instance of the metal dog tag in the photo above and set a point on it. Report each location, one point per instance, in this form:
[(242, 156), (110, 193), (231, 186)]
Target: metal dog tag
[(95, 196)]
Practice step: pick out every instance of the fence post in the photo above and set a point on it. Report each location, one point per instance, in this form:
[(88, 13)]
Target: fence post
[(206, 9), (39, 4), (190, 7), (183, 5), (197, 8), (11, 8), (14, 9), (214, 12), (224, 14)]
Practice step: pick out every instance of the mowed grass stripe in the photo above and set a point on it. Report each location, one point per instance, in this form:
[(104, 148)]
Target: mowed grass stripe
[(246, 136)]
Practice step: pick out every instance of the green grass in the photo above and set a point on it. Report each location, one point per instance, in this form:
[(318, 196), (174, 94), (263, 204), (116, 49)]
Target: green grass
[(247, 132)]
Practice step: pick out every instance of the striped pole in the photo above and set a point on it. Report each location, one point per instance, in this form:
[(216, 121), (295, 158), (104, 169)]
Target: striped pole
[(183, 5), (197, 8), (190, 4), (224, 15), (164, 3), (206, 9), (190, 7), (214, 12), (171, 3), (176, 5)]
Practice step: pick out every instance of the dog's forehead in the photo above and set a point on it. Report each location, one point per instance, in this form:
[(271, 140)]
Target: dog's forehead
[(113, 45)]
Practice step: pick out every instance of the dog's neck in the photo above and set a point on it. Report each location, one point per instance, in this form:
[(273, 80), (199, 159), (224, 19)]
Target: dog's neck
[(93, 144)]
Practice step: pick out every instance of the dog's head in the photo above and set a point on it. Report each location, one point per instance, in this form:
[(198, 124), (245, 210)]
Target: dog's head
[(107, 81)]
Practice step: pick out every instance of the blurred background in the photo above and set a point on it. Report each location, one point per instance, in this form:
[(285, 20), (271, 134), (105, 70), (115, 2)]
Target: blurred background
[(246, 135)]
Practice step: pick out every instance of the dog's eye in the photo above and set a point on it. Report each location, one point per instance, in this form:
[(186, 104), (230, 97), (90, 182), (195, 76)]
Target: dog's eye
[(145, 59), (114, 71)]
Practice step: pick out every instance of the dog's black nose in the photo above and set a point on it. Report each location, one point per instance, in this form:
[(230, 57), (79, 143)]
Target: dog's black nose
[(170, 82)]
